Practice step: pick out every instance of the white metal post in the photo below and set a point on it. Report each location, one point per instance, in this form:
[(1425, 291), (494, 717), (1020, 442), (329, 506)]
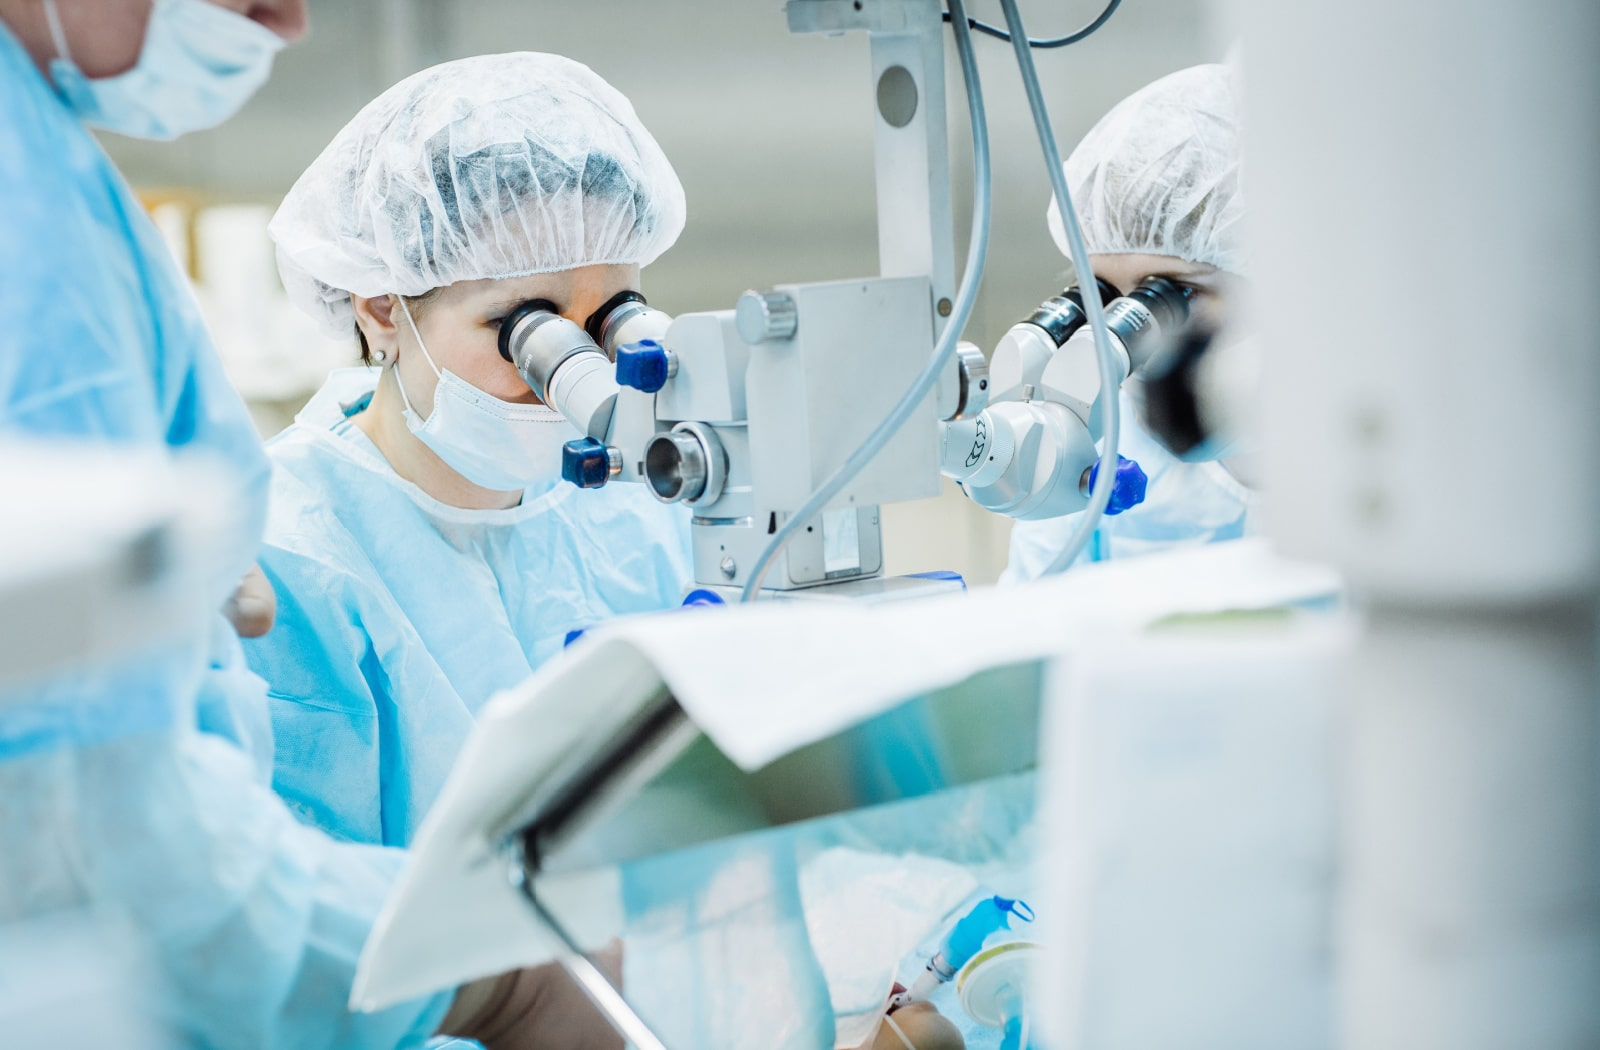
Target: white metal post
[(915, 225)]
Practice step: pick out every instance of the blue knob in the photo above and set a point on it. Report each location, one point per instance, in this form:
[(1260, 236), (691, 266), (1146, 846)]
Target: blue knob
[(1127, 491), (643, 365), (702, 596), (586, 463), (946, 575)]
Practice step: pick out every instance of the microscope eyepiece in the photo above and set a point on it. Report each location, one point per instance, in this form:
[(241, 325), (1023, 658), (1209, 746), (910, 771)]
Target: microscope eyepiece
[(539, 342), (602, 318), (509, 324), (1167, 301), (1059, 316), (1064, 314), (1108, 292), (1155, 310)]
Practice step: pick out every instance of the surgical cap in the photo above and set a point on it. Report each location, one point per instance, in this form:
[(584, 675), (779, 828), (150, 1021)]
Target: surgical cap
[(487, 167), (1159, 174)]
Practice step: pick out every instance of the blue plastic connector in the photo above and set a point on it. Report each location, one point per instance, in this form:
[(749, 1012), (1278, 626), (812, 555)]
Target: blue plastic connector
[(1127, 490), (643, 365), (586, 463), (988, 916)]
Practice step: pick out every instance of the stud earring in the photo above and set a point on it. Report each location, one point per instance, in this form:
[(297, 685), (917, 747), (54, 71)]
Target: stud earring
[(382, 357)]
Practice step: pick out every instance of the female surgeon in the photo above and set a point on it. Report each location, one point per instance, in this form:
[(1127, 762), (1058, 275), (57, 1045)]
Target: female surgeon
[(1156, 187), (424, 550)]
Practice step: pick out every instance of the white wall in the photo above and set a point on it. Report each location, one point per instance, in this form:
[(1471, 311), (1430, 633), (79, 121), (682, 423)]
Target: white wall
[(771, 134)]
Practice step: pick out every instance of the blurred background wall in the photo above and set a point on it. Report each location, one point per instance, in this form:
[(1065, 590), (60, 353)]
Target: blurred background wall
[(771, 135)]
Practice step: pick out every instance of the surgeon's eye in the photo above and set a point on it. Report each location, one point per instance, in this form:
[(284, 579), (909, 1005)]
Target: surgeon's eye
[(1193, 290)]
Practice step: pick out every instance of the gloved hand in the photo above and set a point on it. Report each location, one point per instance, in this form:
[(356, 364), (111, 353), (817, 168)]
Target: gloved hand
[(253, 606), (539, 1008)]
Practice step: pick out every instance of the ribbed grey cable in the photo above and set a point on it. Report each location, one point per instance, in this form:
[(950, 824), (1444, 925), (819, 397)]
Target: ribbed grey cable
[(1109, 406), (966, 296)]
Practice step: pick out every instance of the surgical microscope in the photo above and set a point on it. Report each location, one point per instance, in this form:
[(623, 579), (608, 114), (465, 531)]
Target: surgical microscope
[(737, 414), (741, 415)]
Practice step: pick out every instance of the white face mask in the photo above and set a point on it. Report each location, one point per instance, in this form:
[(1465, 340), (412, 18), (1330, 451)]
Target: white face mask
[(488, 441), (199, 64)]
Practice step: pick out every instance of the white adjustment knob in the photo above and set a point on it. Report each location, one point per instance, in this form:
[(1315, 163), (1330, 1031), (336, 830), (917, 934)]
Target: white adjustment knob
[(763, 317)]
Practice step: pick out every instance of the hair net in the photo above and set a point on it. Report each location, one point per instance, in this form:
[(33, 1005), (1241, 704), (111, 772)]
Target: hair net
[(487, 167), (1159, 174)]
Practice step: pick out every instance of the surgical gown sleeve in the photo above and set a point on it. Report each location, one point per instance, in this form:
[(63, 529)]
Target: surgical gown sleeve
[(337, 765), (274, 913), (249, 922), (252, 922)]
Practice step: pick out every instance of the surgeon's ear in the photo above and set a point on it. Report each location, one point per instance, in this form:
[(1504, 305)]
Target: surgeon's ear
[(377, 320)]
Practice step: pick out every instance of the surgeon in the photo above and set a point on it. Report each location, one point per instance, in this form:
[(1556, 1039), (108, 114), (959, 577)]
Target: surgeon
[(137, 794), (1156, 185), (424, 549)]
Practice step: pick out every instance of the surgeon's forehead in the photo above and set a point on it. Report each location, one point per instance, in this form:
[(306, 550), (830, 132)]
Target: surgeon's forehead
[(508, 289), (1149, 265)]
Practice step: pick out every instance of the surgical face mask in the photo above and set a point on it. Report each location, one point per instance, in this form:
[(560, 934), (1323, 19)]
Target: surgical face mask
[(199, 64), (490, 442)]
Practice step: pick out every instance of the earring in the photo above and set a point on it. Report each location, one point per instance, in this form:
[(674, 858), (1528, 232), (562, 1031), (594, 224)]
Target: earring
[(381, 356)]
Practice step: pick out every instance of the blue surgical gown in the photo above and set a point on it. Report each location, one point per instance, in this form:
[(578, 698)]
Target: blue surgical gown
[(1185, 504), (399, 616), (249, 922)]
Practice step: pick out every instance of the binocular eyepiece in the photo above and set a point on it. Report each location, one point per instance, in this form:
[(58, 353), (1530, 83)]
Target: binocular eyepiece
[(569, 367), (539, 341), (1062, 315), (1156, 299)]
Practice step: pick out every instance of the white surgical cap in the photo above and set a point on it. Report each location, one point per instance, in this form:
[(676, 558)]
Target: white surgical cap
[(1159, 175), (487, 167)]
